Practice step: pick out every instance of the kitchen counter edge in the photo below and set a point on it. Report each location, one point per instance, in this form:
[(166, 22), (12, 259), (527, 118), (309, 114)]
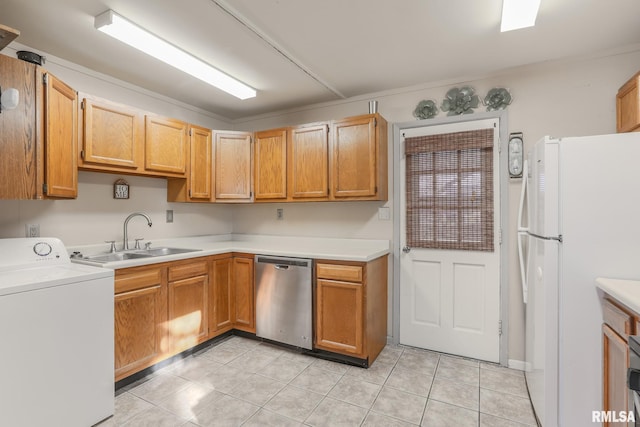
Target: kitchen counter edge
[(361, 250), (626, 292)]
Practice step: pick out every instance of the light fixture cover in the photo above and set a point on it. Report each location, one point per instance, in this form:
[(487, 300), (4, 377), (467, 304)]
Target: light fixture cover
[(516, 155), (127, 32), (518, 14), (10, 98)]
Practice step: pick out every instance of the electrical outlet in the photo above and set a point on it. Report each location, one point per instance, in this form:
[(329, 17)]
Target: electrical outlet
[(280, 213), (169, 215), (32, 230)]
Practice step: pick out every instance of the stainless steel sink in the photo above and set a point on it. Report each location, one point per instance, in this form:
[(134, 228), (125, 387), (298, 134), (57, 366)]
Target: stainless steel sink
[(167, 251), (117, 256), (143, 253)]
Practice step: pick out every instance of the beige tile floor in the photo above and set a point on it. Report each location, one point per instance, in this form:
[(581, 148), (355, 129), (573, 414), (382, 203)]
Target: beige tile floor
[(243, 382)]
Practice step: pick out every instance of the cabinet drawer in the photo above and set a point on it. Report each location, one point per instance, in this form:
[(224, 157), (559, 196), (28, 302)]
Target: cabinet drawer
[(349, 273), (617, 318), (137, 278), (189, 269)]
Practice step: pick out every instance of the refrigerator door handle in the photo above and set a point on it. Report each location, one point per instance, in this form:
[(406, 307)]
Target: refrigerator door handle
[(523, 193), (522, 231), (523, 276)]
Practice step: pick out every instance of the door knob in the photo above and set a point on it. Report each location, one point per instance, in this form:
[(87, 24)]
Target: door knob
[(406, 249)]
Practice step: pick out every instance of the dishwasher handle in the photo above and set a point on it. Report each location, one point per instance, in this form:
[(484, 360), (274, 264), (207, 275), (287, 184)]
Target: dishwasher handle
[(283, 263)]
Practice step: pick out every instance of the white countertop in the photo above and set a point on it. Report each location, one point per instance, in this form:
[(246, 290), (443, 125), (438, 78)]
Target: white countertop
[(302, 247), (625, 291)]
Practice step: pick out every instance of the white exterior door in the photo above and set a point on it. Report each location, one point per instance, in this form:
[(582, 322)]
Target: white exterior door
[(450, 298)]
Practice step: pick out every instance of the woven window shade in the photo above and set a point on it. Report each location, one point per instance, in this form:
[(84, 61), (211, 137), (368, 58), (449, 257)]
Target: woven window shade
[(449, 184)]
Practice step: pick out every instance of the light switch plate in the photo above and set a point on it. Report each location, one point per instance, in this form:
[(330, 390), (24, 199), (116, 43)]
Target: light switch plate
[(384, 213), (169, 215)]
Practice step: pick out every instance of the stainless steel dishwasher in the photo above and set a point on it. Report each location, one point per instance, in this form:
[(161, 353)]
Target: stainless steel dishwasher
[(284, 300)]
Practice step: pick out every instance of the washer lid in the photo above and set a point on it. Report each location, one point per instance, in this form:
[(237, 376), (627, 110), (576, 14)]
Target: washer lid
[(29, 279)]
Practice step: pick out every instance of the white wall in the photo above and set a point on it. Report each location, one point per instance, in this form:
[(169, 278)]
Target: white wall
[(95, 216), (572, 97), (566, 98)]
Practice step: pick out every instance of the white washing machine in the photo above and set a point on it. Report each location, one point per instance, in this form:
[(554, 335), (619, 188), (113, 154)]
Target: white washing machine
[(56, 337)]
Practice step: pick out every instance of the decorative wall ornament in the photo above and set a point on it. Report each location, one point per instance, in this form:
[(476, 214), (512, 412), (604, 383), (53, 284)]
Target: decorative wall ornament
[(460, 101), (426, 109), (498, 98)]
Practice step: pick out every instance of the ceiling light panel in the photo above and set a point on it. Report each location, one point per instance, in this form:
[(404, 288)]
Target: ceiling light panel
[(127, 32), (518, 14)]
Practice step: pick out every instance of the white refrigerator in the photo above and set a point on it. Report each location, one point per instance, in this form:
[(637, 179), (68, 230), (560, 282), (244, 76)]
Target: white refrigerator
[(582, 222)]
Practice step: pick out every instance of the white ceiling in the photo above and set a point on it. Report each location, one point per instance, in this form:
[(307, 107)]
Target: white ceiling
[(300, 52)]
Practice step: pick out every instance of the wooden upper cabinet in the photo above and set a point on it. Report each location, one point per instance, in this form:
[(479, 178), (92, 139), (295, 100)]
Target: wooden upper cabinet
[(112, 137), (270, 164), (628, 106), (38, 137), (308, 162), (199, 177), (61, 139), (166, 145), (359, 158), (232, 166)]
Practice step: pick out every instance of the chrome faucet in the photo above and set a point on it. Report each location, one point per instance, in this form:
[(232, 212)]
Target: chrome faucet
[(125, 244)]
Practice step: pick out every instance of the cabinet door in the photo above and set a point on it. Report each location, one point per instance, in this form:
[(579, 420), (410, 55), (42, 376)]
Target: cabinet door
[(112, 135), (354, 158), (270, 160), (615, 363), (244, 315), (309, 162), (200, 165), (61, 139), (166, 145), (19, 135), (188, 317), (221, 297), (140, 317), (339, 316), (233, 166)]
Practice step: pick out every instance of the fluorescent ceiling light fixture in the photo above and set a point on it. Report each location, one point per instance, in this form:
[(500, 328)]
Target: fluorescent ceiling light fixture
[(518, 14), (127, 32)]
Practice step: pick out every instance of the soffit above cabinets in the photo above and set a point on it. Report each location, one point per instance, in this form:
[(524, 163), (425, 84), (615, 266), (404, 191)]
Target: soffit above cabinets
[(301, 52)]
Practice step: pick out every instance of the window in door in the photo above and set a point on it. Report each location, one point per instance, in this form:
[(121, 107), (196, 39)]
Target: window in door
[(449, 191)]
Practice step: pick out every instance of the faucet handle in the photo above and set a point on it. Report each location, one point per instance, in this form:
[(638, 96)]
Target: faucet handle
[(137, 246), (147, 245), (113, 245)]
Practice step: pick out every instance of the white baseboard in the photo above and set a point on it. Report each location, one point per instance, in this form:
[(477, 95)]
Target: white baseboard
[(517, 364)]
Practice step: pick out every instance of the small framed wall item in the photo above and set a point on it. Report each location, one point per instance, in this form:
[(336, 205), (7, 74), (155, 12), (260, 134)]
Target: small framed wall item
[(120, 189), (516, 155)]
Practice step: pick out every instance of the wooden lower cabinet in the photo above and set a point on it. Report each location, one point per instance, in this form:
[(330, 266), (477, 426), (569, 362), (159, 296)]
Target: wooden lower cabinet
[(221, 296), (618, 324), (188, 304), (339, 324), (244, 300), (615, 363), (140, 319), (351, 307)]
